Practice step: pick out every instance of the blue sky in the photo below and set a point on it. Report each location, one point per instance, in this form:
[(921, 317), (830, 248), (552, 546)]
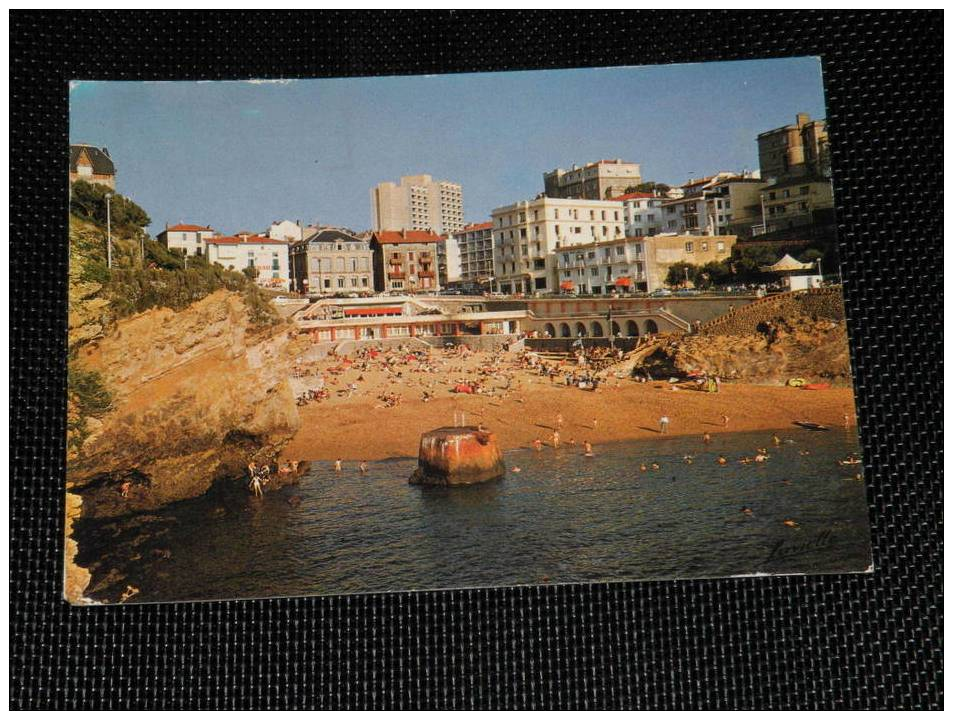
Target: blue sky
[(238, 155)]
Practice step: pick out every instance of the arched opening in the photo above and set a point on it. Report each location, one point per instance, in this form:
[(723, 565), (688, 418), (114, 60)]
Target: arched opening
[(580, 330), (632, 329), (616, 328), (564, 331), (550, 330), (596, 329), (651, 326)]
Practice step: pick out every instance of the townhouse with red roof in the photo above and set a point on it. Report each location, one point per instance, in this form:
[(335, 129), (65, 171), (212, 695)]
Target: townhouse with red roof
[(405, 260)]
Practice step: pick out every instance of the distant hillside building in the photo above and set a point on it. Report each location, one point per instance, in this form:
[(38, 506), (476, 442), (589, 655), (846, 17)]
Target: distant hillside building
[(92, 164), (285, 230), (598, 268), (798, 203), (601, 180), (268, 257), (186, 238), (642, 213), (418, 203), (332, 260), (795, 150), (405, 260)]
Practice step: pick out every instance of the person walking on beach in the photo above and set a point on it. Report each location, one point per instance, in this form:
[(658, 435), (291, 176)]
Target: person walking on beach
[(555, 439), (724, 420), (537, 444), (363, 467), (559, 421), (663, 424), (588, 445), (337, 465)]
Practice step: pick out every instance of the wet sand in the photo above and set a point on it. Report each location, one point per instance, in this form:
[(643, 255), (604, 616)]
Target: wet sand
[(354, 428)]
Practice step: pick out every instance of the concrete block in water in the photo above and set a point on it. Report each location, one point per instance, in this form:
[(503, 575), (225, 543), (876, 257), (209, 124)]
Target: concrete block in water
[(451, 456)]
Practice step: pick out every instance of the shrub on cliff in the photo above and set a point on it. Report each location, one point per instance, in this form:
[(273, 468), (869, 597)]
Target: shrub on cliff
[(87, 397), (88, 201)]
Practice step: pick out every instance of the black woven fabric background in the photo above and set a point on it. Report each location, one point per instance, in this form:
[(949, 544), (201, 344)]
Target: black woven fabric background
[(814, 642)]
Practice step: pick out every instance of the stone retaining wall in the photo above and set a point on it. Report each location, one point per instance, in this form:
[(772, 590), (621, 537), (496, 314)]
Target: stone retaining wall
[(816, 304)]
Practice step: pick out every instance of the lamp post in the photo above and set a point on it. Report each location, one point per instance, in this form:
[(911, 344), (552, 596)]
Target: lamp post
[(109, 236), (611, 330), (686, 277)]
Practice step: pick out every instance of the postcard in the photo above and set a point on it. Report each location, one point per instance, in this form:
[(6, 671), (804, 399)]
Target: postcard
[(337, 336)]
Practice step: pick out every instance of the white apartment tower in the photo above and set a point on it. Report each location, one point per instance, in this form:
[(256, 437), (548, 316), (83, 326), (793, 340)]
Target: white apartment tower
[(418, 202), (526, 235)]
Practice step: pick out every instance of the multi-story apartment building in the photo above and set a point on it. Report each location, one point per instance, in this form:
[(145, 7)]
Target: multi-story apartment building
[(92, 164), (405, 260), (601, 180), (797, 202), (332, 261), (185, 238), (526, 233), (795, 150), (475, 242), (268, 257), (417, 203), (664, 250), (616, 265), (726, 203), (642, 213)]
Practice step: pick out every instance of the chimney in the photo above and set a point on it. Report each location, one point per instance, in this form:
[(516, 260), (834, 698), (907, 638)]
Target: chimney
[(803, 119)]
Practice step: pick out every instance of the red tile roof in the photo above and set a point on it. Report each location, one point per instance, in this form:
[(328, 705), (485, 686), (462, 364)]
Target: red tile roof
[(634, 196), (474, 227), (242, 239), (189, 228), (406, 237), (375, 311)]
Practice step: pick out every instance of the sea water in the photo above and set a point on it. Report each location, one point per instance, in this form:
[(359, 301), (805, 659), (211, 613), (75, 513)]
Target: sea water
[(562, 518)]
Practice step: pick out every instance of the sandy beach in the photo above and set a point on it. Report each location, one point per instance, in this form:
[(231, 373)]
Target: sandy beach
[(359, 427)]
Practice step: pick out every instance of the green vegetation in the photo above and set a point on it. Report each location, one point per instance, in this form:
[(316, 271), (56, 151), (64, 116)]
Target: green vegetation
[(649, 187), (744, 266), (145, 274), (87, 396)]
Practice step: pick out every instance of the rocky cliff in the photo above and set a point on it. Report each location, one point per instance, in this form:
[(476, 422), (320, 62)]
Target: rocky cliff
[(195, 395)]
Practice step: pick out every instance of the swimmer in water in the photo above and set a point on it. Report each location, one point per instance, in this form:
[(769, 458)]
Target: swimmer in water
[(746, 511), (337, 465), (776, 440), (643, 468), (363, 467), (760, 457), (588, 447), (706, 438), (688, 459), (516, 470), (655, 466), (721, 460), (537, 444)]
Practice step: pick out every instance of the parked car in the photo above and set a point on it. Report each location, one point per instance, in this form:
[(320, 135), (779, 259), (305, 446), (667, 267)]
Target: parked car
[(661, 292)]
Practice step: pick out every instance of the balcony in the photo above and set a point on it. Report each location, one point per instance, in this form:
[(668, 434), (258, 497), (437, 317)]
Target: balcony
[(426, 274), (396, 274)]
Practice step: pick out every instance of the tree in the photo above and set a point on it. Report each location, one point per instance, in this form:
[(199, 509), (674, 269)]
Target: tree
[(649, 187), (250, 272), (88, 200), (677, 272)]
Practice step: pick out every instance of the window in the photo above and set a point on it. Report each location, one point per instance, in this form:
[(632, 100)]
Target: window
[(363, 281), (720, 246), (727, 204), (772, 195), (353, 281), (620, 250), (274, 261), (786, 193), (805, 190), (594, 271), (340, 264), (327, 283), (704, 246), (340, 282), (689, 247)]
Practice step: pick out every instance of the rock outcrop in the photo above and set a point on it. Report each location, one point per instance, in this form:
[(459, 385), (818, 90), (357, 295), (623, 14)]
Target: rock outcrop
[(451, 456), (196, 394), (75, 577)]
